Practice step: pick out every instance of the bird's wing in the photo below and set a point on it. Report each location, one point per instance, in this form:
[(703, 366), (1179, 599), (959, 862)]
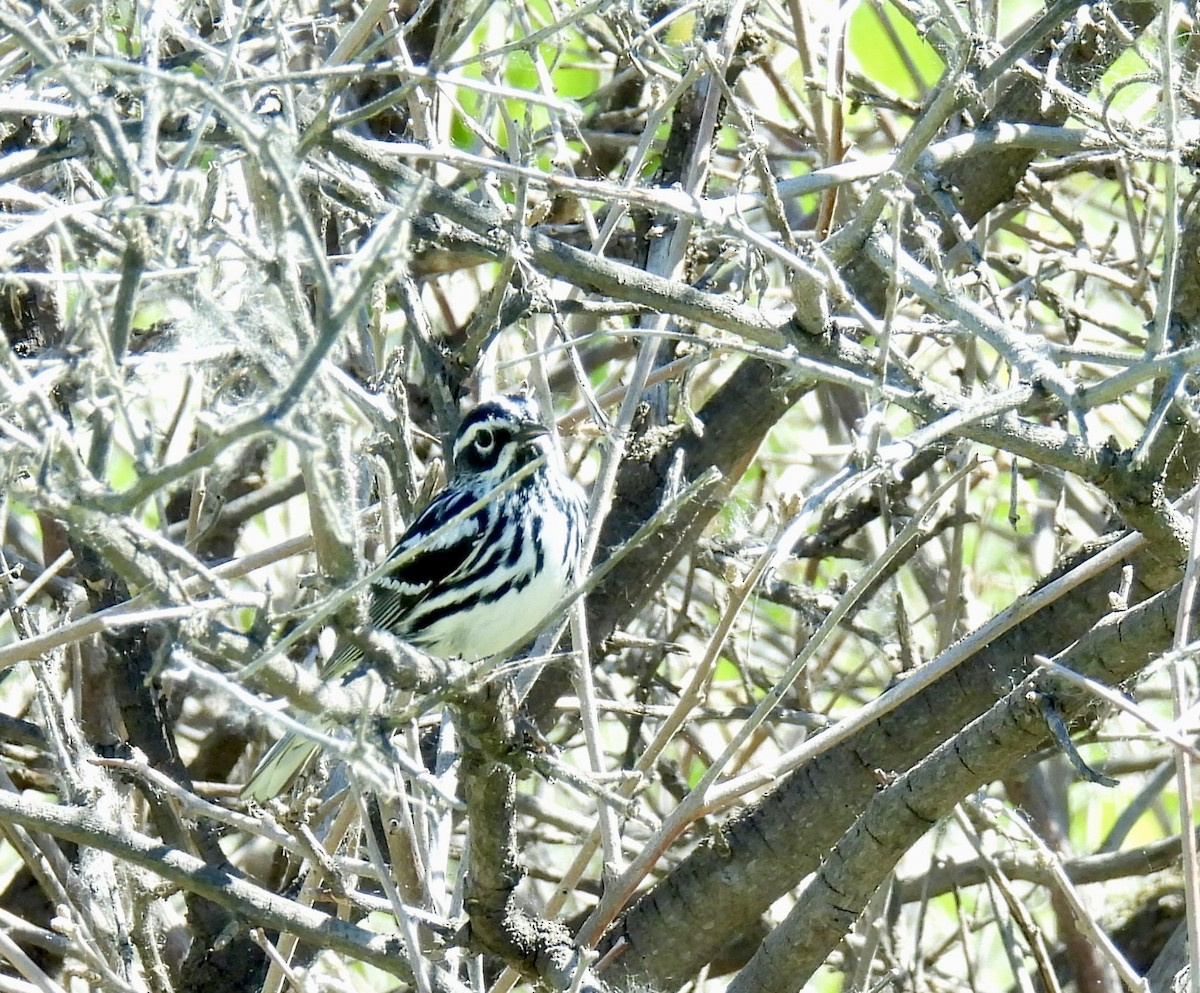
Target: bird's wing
[(423, 560), (423, 563)]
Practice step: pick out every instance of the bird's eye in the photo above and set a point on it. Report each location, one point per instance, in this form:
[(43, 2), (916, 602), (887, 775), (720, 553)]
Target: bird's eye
[(485, 440)]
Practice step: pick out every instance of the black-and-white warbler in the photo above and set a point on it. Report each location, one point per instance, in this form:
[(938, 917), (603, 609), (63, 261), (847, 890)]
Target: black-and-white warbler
[(484, 584)]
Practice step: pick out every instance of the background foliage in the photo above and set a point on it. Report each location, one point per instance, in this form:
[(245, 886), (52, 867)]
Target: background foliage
[(871, 331)]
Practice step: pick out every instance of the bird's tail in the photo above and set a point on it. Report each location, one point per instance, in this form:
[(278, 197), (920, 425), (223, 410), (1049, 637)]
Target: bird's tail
[(278, 769)]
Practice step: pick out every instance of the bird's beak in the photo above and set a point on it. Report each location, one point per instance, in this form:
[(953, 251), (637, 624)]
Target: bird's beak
[(531, 431)]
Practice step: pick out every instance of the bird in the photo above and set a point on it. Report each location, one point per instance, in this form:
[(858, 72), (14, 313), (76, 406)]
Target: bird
[(485, 583)]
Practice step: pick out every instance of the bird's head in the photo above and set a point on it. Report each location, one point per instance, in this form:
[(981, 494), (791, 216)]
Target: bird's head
[(500, 436)]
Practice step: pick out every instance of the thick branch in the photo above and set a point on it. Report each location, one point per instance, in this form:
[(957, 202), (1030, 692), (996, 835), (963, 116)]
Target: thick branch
[(539, 949), (767, 850), (900, 814)]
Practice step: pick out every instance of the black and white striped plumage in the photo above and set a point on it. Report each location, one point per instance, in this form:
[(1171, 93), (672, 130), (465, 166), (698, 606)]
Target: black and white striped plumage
[(484, 584)]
